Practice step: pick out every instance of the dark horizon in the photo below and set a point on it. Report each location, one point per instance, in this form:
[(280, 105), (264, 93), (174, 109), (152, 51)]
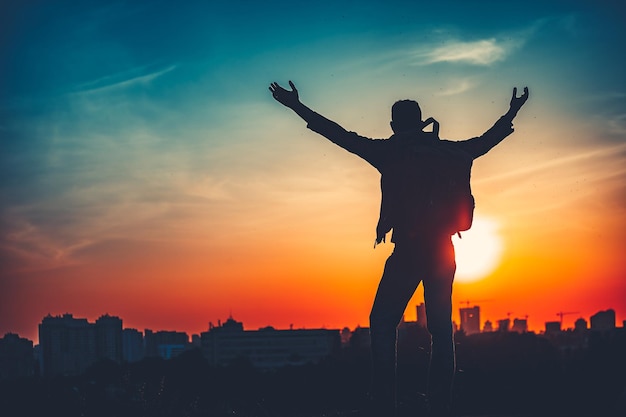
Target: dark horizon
[(504, 374), (483, 321)]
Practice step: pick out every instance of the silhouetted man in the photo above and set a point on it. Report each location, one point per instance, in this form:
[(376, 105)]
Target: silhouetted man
[(414, 167)]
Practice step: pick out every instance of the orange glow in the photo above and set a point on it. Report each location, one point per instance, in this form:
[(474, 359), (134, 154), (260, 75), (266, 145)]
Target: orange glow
[(478, 251)]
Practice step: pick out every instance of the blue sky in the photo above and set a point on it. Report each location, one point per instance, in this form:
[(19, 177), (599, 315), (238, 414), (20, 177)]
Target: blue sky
[(139, 123)]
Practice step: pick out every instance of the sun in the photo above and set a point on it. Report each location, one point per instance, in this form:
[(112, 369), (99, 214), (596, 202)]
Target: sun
[(478, 251)]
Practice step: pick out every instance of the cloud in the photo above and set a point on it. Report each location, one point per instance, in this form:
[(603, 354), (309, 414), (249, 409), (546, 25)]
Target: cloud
[(608, 108), (481, 52), (603, 155), (30, 239), (587, 183), (456, 87), (122, 80), (617, 125)]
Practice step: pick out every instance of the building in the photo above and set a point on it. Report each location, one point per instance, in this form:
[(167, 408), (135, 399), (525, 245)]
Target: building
[(553, 327), (109, 338), (520, 325), (361, 338), (132, 345), (267, 347), (68, 345), (165, 344), (470, 320), (504, 325), (603, 320), (580, 325), (17, 358)]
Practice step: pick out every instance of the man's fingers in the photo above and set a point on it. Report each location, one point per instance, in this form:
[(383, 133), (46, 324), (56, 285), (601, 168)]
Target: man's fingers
[(293, 87), (519, 101)]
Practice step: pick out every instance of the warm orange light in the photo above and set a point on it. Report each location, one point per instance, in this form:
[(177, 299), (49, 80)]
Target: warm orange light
[(478, 251)]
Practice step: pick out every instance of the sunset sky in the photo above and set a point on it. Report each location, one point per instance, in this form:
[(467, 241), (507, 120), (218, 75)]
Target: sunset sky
[(146, 171)]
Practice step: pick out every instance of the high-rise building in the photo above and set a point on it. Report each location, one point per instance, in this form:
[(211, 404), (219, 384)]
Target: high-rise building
[(16, 357), (504, 325), (109, 338), (603, 320), (470, 320), (132, 345), (68, 345)]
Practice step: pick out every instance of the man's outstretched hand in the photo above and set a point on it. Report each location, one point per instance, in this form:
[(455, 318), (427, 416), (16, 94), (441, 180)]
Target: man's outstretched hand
[(518, 102), (283, 96)]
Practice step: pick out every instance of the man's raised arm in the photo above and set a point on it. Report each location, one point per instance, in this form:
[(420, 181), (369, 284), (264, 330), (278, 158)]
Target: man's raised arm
[(316, 122), (500, 130)]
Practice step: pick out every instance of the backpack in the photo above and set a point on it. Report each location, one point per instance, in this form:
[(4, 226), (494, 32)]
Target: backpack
[(425, 188), (454, 202)]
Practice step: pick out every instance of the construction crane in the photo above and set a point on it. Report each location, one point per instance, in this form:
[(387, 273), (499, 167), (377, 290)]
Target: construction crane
[(467, 302), (564, 313)]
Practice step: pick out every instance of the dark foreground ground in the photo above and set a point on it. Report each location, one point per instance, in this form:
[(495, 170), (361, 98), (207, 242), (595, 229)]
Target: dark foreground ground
[(499, 375)]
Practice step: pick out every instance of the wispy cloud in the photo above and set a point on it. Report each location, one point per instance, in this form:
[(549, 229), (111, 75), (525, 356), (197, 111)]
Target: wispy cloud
[(32, 245), (574, 159), (456, 87), (608, 107), (122, 80), (605, 96), (617, 125), (481, 52)]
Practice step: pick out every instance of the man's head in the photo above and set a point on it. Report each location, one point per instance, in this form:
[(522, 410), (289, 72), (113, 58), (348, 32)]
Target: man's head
[(406, 116)]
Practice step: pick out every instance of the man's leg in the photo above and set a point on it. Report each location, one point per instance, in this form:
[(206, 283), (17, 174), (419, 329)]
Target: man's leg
[(396, 288), (438, 300)]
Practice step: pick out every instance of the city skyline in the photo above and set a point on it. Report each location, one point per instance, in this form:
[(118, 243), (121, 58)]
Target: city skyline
[(101, 368), (70, 346), (416, 318), (147, 171)]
